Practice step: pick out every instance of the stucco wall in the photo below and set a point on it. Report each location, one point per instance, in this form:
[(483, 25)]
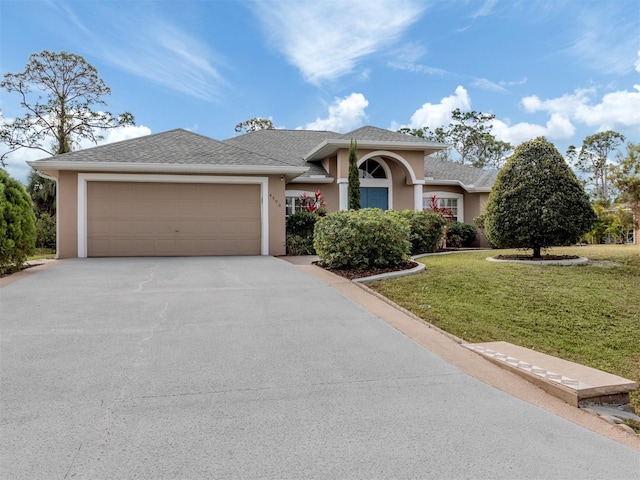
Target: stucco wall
[(67, 214), (402, 192), (277, 234)]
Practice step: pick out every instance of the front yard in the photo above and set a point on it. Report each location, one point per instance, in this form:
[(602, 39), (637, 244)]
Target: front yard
[(587, 314)]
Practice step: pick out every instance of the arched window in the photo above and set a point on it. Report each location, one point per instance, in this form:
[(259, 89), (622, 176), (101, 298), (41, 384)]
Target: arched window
[(371, 169)]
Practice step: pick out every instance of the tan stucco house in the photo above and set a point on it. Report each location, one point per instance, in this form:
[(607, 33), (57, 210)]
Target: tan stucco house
[(178, 193)]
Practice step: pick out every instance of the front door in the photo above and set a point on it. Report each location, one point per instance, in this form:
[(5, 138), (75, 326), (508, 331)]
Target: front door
[(374, 197)]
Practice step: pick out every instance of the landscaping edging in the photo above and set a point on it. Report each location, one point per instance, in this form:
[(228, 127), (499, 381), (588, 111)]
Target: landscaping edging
[(563, 263)]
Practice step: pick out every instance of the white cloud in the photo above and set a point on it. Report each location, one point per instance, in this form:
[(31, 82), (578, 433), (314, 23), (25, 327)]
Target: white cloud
[(485, 9), (439, 114), (556, 128), (327, 39), (345, 114), (606, 38), (616, 110), (148, 46)]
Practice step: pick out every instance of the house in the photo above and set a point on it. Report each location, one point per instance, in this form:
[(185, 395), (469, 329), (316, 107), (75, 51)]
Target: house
[(179, 193)]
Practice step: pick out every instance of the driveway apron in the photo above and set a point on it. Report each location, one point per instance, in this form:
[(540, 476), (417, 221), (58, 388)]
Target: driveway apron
[(248, 367)]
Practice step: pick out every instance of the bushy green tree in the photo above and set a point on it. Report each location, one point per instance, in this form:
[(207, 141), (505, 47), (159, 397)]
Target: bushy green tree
[(469, 133), (59, 92), (626, 178), (17, 224), (254, 124), (43, 193), (537, 201), (354, 178), (593, 159)]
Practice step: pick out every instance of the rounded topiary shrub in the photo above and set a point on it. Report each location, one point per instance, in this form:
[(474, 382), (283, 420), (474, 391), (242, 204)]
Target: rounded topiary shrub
[(361, 239), (537, 201), (426, 230), (461, 234), (17, 224)]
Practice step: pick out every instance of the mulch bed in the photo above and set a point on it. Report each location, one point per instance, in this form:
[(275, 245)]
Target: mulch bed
[(543, 258), (352, 274)]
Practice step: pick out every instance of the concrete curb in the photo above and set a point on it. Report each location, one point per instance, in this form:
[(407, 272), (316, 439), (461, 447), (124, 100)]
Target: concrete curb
[(385, 276), (563, 263)]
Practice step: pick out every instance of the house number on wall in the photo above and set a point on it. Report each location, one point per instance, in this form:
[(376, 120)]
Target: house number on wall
[(275, 200)]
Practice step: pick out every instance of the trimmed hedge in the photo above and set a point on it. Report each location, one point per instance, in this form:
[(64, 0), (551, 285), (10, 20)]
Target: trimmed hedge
[(361, 239), (17, 224), (300, 227), (461, 234), (426, 230)]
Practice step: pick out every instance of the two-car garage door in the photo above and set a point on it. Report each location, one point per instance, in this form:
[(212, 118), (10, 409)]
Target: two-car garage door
[(172, 219)]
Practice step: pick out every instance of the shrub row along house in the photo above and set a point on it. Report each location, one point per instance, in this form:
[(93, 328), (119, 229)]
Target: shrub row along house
[(178, 193)]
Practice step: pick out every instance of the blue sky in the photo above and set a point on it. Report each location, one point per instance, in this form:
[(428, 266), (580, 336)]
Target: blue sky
[(564, 69)]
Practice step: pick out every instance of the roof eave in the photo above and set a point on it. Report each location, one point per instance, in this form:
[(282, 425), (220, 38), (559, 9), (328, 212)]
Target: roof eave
[(312, 179), (48, 165), (458, 183)]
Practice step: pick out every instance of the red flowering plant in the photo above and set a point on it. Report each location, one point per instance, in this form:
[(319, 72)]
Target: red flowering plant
[(445, 213), (313, 204)]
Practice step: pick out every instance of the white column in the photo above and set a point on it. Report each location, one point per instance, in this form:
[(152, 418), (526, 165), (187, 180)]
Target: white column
[(417, 197), (343, 193)]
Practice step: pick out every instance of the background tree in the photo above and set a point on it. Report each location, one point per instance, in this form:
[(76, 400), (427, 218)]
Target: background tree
[(537, 201), (593, 158), (626, 178), (58, 92), (43, 193), (17, 224), (43, 196), (469, 133), (254, 124), (354, 178)]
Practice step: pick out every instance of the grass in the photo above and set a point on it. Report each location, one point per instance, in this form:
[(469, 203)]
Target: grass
[(587, 314), (42, 253)]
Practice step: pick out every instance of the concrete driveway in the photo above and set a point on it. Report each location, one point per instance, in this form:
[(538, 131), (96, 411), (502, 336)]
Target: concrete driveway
[(197, 368)]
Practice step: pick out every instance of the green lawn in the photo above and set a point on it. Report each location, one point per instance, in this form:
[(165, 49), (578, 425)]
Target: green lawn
[(588, 314), (42, 253)]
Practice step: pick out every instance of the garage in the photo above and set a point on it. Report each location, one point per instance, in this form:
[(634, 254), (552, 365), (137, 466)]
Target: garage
[(172, 219)]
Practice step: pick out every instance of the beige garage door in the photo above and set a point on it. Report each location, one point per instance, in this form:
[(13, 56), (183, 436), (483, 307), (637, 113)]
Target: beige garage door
[(167, 219)]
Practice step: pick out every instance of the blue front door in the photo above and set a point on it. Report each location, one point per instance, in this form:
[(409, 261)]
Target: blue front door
[(374, 197)]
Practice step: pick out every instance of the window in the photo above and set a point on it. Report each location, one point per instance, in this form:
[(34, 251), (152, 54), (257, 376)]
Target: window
[(451, 201), (293, 200), (371, 169), (292, 205)]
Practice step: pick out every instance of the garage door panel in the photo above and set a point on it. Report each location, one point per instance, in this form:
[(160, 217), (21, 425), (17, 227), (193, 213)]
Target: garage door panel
[(162, 219)]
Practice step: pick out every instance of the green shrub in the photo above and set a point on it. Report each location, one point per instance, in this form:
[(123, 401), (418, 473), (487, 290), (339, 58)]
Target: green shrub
[(300, 227), (461, 234), (17, 224), (45, 231), (361, 239), (536, 201), (425, 230)]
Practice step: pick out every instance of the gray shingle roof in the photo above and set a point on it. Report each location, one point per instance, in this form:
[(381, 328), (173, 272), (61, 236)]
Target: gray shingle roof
[(376, 134), (452, 171), (173, 147), (288, 146)]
